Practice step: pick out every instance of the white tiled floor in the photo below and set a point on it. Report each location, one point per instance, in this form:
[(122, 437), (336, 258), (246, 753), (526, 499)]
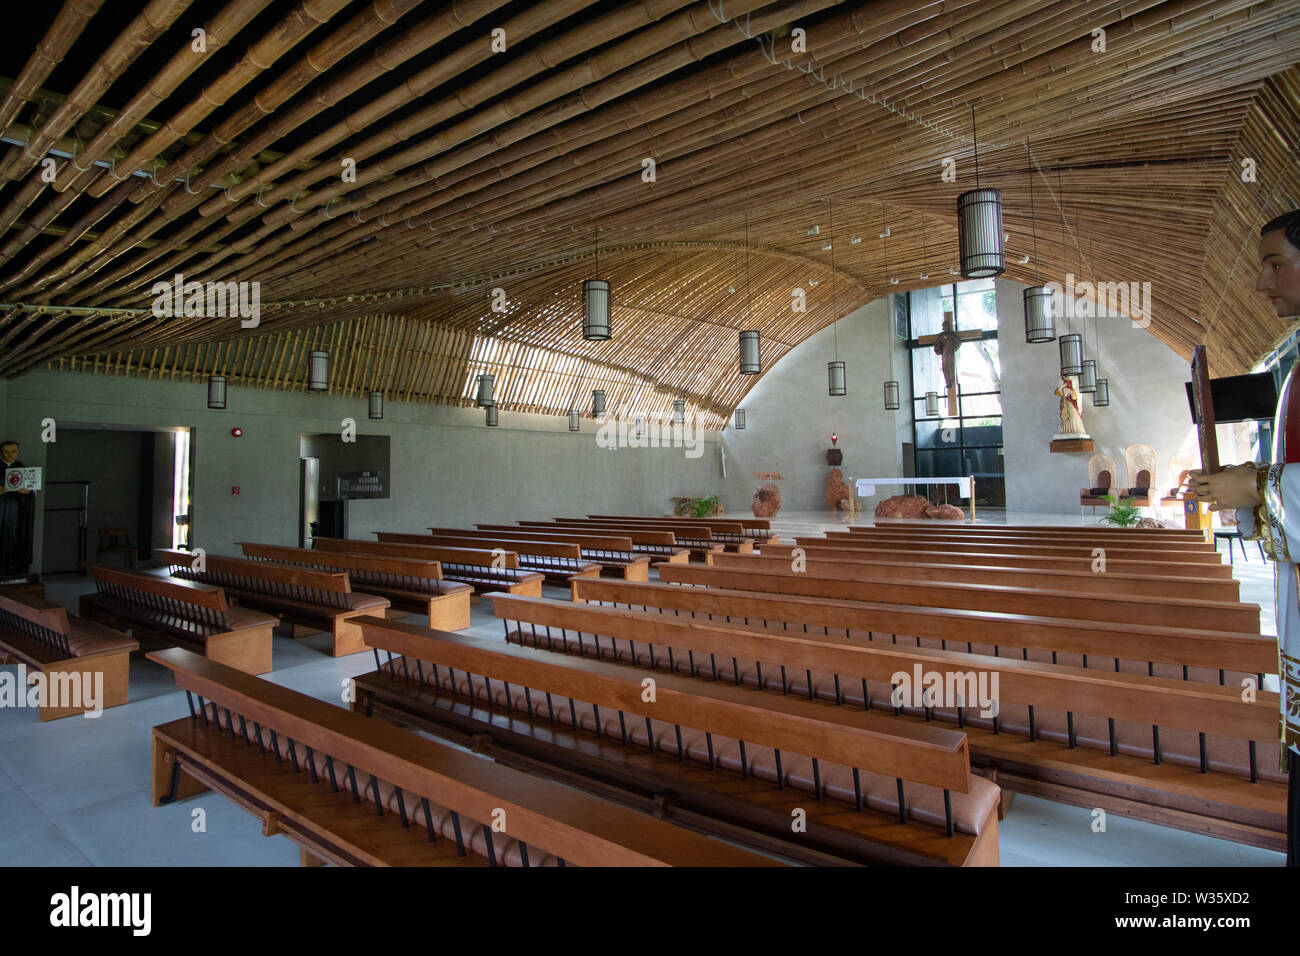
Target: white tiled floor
[(76, 792)]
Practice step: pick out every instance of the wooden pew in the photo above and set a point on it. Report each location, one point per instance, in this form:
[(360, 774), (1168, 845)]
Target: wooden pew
[(846, 565), (407, 583), (1182, 754), (194, 616), (658, 545), (1076, 551), (1179, 653), (614, 553), (480, 568), (309, 599), (68, 651), (731, 531), (950, 527), (1125, 608), (518, 706), (1155, 545), (824, 548), (559, 562), (376, 795), (700, 539)]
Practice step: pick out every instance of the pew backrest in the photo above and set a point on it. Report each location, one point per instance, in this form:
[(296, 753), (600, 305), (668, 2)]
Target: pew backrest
[(479, 557)]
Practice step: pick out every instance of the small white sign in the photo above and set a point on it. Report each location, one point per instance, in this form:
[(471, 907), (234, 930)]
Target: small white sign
[(22, 479)]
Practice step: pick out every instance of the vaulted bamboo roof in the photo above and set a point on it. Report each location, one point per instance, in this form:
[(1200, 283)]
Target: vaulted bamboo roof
[(380, 170)]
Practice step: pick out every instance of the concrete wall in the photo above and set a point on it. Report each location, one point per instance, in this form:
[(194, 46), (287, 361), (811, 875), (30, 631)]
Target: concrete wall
[(790, 416), (447, 467), (1148, 404)]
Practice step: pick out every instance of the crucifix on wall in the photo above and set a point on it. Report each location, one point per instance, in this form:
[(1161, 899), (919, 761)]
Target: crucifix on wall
[(946, 343)]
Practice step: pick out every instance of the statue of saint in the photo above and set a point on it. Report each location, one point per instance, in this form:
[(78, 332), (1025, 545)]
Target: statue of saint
[(1071, 419), (946, 344)]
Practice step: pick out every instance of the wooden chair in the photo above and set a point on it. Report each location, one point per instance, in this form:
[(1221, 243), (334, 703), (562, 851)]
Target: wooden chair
[(375, 795), (1101, 481), (1140, 460), (116, 541)]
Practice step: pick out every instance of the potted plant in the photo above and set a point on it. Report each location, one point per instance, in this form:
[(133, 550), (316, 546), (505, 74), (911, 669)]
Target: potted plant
[(1122, 514)]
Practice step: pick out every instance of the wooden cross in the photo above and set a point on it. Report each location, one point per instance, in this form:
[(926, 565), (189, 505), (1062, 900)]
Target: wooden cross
[(965, 336)]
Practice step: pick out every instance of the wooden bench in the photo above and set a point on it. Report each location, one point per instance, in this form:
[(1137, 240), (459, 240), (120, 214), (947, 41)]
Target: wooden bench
[(734, 534), (480, 568), (1119, 608), (407, 583), (658, 545), (1098, 539), (758, 530), (723, 759), (555, 561), (699, 540), (1124, 550), (194, 616), (849, 565), (614, 553), (839, 548), (355, 792), (991, 530), (1189, 755), (1179, 653), (70, 653), (308, 599)]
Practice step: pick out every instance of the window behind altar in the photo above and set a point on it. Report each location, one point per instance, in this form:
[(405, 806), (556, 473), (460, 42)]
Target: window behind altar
[(971, 442)]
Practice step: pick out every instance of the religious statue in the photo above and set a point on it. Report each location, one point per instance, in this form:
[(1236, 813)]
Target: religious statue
[(946, 344), (17, 520), (1071, 419)]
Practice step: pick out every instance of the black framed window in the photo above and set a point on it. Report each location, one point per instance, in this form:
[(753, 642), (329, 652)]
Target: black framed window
[(969, 442)]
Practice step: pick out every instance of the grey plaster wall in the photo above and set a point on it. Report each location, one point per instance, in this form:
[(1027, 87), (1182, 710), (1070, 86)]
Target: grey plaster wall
[(790, 416), (112, 462), (1148, 404), (447, 467)]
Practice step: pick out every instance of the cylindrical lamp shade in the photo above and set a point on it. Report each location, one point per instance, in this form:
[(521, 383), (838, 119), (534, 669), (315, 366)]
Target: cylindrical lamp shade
[(1088, 377), (490, 415), (1040, 314), (750, 360), (376, 405), (932, 404), (483, 397), (835, 377), (740, 419), (891, 395), (597, 402), (1071, 354), (979, 233), (318, 371), (1101, 397), (679, 412), (575, 420), (217, 391), (595, 310)]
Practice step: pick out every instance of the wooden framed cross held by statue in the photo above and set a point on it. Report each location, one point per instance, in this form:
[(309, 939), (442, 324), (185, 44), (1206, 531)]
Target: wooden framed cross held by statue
[(946, 343)]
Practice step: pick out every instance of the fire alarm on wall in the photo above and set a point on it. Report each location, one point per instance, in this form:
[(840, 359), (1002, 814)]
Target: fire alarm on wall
[(237, 432)]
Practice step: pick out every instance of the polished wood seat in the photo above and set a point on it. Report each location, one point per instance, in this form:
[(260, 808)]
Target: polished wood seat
[(868, 795), (480, 568), (192, 615), (614, 553), (407, 583), (44, 637), (658, 545), (311, 600), (355, 792), (555, 560), (1185, 754)]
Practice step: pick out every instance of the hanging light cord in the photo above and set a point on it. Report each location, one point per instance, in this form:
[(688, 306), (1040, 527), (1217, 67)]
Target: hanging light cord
[(749, 299), (835, 325), (1065, 251), (1033, 222), (976, 141)]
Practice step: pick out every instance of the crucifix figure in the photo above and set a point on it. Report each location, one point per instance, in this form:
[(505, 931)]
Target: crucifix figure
[(946, 343)]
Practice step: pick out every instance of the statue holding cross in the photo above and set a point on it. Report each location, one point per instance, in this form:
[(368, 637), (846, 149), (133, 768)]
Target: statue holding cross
[(946, 344)]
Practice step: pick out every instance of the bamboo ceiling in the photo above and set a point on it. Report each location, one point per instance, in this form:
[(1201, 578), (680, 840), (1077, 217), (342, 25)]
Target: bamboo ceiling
[(478, 170)]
